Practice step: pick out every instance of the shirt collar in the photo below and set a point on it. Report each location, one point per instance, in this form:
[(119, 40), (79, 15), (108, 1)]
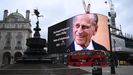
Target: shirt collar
[(78, 47)]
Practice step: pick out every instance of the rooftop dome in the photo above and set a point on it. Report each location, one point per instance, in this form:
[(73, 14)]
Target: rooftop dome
[(16, 14)]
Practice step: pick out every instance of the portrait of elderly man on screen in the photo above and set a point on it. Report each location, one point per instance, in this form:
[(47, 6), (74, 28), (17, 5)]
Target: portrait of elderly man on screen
[(84, 28)]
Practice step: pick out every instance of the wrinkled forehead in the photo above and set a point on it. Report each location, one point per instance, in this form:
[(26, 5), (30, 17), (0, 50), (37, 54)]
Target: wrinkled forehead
[(89, 16)]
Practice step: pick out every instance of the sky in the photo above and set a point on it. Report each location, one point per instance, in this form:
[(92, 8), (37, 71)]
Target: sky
[(55, 11)]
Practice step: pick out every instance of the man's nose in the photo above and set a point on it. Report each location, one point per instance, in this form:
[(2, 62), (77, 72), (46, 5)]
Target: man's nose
[(80, 29)]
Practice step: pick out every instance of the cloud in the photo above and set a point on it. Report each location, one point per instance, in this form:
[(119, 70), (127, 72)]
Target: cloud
[(55, 11), (124, 15)]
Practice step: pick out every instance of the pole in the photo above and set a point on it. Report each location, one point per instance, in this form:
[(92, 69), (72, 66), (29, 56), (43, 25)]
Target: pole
[(111, 54)]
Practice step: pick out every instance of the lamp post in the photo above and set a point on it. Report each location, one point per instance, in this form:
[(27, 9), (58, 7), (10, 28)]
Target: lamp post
[(115, 54), (111, 54)]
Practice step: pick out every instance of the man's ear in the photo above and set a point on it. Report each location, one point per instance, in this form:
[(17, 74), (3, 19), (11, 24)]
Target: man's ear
[(95, 30)]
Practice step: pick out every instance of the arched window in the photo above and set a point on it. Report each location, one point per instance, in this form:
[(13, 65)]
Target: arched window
[(17, 55), (6, 58)]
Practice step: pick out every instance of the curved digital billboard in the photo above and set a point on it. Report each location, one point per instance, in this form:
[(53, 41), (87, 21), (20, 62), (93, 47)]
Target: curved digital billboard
[(81, 32)]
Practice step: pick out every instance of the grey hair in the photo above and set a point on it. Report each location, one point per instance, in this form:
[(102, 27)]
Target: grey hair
[(94, 16)]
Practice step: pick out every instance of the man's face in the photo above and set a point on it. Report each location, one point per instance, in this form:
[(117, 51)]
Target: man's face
[(84, 28)]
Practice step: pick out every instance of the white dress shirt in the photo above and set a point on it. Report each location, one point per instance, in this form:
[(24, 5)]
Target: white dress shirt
[(78, 47)]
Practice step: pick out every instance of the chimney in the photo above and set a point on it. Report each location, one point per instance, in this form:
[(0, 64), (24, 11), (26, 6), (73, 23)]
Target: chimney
[(5, 14), (27, 14)]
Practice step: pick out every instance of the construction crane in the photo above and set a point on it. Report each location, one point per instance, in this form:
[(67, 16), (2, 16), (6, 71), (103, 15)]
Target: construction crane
[(86, 7), (112, 15), (112, 12)]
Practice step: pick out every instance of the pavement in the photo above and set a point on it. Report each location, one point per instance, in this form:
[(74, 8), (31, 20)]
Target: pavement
[(120, 70), (58, 69), (40, 69)]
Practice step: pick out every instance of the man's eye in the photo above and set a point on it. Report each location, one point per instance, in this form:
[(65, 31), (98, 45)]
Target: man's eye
[(77, 25), (86, 27)]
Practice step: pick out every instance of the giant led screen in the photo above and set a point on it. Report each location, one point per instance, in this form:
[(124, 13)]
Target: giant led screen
[(81, 32)]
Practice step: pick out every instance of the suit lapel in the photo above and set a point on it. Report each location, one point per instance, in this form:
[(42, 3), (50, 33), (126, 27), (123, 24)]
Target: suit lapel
[(72, 47)]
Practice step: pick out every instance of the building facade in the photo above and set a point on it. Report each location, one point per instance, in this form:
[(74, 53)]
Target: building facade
[(122, 46), (14, 30)]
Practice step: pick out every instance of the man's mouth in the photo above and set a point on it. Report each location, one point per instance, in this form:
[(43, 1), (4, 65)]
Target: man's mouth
[(80, 36)]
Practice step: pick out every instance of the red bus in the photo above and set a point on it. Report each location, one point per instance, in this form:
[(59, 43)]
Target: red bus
[(88, 58)]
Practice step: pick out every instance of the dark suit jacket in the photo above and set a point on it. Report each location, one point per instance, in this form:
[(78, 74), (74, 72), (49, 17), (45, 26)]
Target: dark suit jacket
[(96, 46)]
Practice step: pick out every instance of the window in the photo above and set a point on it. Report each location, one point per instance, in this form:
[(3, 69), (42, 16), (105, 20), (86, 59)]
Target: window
[(19, 41), (8, 41), (0, 36), (18, 46)]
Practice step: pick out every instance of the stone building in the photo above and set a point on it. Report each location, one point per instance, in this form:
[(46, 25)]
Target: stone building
[(14, 30), (122, 46)]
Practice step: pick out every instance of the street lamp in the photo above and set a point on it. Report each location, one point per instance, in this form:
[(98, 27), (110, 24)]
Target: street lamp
[(111, 54)]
